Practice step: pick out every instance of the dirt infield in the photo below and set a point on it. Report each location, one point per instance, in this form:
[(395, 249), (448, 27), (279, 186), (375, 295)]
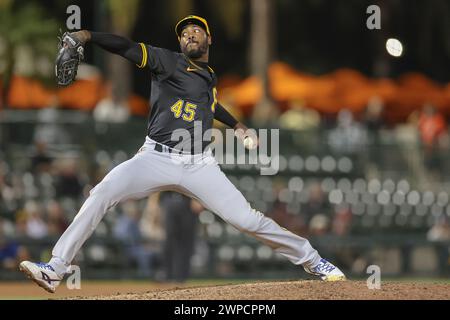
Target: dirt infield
[(28, 290), (294, 290), (221, 290)]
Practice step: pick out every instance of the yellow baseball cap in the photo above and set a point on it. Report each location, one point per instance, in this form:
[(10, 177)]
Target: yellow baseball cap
[(199, 21)]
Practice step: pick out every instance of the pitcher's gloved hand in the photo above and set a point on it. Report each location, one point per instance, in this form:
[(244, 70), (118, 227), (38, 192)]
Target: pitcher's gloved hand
[(70, 54)]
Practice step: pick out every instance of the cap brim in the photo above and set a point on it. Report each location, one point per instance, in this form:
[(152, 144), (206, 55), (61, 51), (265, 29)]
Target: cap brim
[(191, 20)]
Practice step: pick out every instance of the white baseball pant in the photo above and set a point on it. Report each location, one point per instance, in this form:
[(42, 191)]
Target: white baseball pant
[(198, 176)]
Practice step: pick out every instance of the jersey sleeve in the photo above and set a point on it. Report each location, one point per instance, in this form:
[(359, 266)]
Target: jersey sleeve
[(222, 115), (159, 60), (118, 45)]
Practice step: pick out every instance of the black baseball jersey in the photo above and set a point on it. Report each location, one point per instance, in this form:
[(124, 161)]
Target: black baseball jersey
[(182, 93)]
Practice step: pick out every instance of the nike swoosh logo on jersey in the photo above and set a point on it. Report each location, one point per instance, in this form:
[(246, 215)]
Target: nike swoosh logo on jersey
[(191, 69)]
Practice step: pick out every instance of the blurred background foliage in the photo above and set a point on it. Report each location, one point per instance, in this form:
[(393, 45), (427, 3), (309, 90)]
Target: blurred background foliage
[(28, 38)]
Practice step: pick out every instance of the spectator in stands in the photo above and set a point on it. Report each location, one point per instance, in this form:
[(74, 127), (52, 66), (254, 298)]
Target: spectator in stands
[(7, 227), (373, 122), (432, 125), (40, 159), (373, 118), (433, 133), (35, 224), (11, 253), (21, 224), (127, 230), (298, 117), (295, 222), (5, 192), (10, 191), (111, 110), (152, 224), (56, 220), (342, 220), (180, 215), (348, 136), (317, 202), (440, 231), (68, 182), (319, 225), (49, 129)]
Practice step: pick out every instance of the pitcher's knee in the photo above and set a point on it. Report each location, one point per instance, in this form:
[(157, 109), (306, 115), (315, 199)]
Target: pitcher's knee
[(249, 222)]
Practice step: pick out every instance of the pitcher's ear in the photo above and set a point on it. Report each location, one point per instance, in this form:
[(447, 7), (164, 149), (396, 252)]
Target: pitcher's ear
[(209, 40)]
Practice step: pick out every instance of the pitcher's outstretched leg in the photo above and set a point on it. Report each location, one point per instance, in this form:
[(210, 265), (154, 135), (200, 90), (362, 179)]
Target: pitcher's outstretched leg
[(222, 197), (125, 181)]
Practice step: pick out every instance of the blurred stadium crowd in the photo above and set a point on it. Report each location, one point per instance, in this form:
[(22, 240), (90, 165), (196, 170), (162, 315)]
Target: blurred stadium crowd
[(340, 178), (364, 141)]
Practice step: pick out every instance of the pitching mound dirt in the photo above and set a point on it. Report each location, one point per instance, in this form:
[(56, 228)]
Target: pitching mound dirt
[(295, 290)]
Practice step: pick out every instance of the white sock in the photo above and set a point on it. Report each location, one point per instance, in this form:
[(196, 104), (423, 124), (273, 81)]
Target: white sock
[(60, 267), (314, 263)]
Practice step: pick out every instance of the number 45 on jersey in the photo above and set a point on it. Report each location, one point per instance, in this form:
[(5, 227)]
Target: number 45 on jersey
[(186, 110)]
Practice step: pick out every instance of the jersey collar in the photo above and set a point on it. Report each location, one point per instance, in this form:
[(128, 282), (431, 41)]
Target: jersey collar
[(197, 66)]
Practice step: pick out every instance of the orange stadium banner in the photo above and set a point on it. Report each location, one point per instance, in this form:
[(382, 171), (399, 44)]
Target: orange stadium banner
[(343, 88), (83, 94)]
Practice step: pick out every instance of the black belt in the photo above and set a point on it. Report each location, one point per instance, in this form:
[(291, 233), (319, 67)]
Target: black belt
[(162, 148)]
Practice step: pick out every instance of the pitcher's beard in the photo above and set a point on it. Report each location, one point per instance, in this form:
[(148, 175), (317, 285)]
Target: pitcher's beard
[(195, 53)]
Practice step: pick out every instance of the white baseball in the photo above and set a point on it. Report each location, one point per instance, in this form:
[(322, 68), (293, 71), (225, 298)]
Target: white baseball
[(249, 143)]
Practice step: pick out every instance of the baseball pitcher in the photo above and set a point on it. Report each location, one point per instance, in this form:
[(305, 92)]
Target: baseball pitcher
[(183, 92)]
